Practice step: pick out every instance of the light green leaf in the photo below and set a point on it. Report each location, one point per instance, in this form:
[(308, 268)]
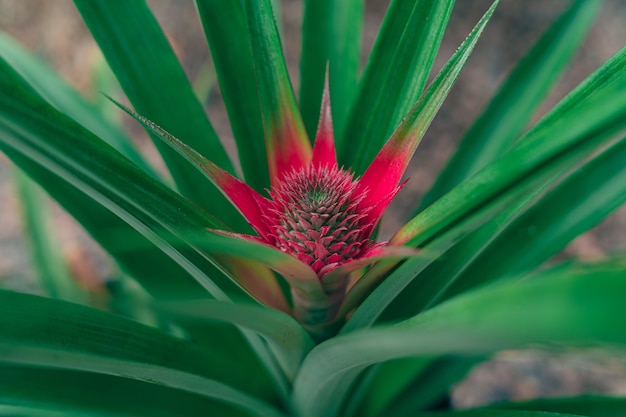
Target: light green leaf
[(517, 99), (58, 93), (407, 45), (47, 258)]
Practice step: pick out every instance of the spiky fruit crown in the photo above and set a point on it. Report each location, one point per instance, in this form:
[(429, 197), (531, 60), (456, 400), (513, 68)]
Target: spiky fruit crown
[(315, 217)]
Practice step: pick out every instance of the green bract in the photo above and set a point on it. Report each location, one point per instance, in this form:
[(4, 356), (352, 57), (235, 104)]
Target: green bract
[(268, 294)]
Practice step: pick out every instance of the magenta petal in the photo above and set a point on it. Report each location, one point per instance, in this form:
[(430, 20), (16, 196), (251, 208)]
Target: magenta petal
[(250, 204), (374, 215), (324, 149)]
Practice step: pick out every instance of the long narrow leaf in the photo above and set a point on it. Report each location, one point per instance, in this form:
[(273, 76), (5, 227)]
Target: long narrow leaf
[(152, 78), (574, 134), (575, 206), (51, 333), (39, 133), (224, 24), (48, 260), (331, 38), (517, 99), (285, 137), (85, 394), (54, 89), (407, 44)]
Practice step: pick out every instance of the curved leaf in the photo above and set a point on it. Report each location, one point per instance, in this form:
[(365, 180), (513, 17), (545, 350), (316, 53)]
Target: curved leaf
[(81, 393), (33, 131), (50, 333), (574, 307)]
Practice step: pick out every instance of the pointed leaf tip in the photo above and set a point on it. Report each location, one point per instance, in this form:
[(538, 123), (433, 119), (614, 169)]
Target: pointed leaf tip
[(324, 149), (249, 203)]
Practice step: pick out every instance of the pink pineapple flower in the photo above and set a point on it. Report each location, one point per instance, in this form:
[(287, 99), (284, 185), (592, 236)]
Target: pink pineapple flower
[(317, 212)]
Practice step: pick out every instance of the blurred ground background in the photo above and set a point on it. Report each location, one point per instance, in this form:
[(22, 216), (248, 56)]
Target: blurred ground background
[(53, 30)]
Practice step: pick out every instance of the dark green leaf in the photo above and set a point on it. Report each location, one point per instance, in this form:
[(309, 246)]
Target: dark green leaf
[(592, 406), (575, 206), (49, 333), (494, 413), (284, 335), (84, 394)]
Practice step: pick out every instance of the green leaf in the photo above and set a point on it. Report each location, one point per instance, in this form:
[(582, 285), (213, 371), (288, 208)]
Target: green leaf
[(85, 394), (592, 406), (586, 109), (285, 137), (58, 93), (582, 201), (49, 333), (152, 78), (568, 139), (407, 44), (285, 336), (331, 38), (34, 131), (574, 306), (520, 238), (224, 24), (47, 258), (493, 413), (73, 164), (408, 135), (402, 386), (517, 99)]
